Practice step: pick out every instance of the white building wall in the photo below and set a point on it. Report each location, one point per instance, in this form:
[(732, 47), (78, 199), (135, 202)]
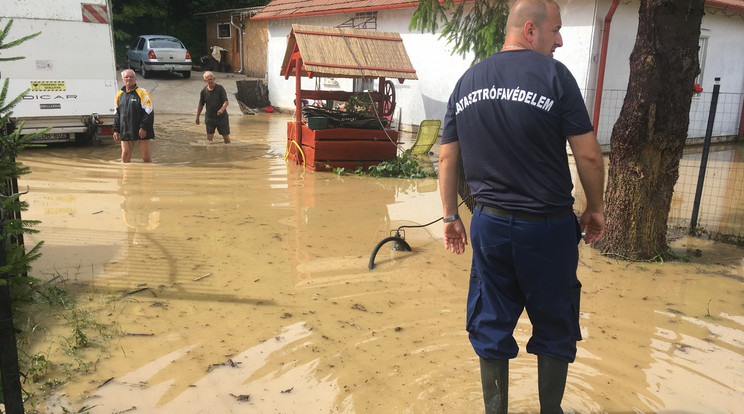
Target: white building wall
[(724, 58), (725, 54), (583, 21), (425, 98), (577, 52), (437, 69)]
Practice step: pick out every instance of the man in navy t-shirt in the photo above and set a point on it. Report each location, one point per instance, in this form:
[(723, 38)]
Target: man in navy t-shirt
[(509, 118)]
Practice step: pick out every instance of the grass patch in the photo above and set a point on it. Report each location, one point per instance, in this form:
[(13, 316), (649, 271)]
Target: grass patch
[(404, 166), (58, 338)]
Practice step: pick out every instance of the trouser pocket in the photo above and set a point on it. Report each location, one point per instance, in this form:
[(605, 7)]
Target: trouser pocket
[(474, 301)]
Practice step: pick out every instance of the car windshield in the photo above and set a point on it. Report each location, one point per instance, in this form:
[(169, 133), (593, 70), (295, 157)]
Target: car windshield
[(165, 43)]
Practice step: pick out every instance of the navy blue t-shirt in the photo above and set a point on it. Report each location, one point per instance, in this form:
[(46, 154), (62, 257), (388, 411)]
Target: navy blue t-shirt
[(512, 114)]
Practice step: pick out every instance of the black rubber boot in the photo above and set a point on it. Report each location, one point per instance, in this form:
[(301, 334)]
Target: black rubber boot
[(495, 381), (551, 382)]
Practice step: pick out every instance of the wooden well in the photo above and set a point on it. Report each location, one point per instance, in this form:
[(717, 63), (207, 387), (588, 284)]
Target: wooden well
[(315, 51)]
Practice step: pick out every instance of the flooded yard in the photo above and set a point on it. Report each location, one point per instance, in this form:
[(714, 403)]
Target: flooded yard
[(237, 283)]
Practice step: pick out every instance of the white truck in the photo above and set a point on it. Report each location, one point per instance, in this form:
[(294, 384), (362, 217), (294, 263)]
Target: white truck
[(69, 69)]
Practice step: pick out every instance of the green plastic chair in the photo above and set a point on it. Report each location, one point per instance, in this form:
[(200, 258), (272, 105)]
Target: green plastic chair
[(428, 132)]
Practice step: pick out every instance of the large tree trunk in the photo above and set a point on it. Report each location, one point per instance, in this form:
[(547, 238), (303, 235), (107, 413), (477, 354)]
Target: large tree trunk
[(649, 136)]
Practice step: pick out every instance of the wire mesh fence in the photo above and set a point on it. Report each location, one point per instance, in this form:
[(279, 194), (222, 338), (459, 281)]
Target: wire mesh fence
[(721, 207), (725, 128)]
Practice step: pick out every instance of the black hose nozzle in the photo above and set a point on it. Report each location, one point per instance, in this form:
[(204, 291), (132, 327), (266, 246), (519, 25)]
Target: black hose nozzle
[(399, 245)]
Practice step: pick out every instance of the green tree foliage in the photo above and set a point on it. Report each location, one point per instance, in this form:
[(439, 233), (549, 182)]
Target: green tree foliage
[(172, 17), (11, 144), (478, 27), (3, 45), (16, 261)]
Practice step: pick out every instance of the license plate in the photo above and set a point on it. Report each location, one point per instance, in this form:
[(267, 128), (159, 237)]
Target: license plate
[(170, 67), (53, 137)]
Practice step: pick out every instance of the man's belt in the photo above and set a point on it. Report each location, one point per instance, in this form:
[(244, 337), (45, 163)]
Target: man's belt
[(520, 215)]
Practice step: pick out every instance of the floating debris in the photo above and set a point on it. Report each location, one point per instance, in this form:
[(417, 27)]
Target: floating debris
[(105, 382), (137, 291), (241, 397), (228, 363), (202, 277)]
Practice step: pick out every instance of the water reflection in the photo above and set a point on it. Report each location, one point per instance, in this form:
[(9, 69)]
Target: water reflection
[(138, 204)]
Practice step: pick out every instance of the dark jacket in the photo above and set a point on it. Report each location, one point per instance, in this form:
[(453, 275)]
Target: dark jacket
[(133, 111)]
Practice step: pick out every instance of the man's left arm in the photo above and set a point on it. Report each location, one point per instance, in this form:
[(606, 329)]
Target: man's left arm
[(223, 94), (148, 118), (147, 108), (223, 108)]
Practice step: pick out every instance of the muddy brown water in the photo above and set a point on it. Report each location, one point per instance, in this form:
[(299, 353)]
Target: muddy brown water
[(237, 283)]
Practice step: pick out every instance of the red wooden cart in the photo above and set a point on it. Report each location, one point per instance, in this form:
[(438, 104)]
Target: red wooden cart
[(329, 52)]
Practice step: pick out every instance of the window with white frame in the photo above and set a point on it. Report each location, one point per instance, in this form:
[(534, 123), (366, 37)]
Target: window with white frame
[(224, 31)]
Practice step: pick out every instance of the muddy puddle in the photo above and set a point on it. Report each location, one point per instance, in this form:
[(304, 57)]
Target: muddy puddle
[(236, 283)]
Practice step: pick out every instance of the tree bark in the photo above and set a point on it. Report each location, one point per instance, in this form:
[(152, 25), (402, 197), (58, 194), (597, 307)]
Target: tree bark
[(649, 135)]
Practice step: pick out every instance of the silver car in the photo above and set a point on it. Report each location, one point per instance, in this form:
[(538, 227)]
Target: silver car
[(158, 53)]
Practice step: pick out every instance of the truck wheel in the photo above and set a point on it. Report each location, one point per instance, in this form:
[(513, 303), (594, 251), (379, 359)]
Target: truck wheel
[(186, 74), (145, 73)]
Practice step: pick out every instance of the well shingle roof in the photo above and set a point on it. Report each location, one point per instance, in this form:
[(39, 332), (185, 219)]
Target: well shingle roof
[(347, 53)]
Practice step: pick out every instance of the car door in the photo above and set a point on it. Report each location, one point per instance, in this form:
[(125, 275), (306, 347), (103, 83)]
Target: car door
[(134, 54)]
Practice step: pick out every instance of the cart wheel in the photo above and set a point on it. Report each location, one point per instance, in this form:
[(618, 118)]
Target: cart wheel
[(388, 107)]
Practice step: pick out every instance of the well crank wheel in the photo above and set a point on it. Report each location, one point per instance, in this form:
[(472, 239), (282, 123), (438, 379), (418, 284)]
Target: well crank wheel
[(388, 94)]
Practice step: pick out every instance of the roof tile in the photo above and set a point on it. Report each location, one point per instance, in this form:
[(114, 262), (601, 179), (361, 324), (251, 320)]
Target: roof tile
[(293, 8)]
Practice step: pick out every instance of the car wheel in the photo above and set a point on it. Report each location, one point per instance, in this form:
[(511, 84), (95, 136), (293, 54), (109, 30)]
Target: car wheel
[(186, 74), (145, 73)]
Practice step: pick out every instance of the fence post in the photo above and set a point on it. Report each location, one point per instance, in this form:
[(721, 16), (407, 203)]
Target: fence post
[(704, 161), (10, 374)]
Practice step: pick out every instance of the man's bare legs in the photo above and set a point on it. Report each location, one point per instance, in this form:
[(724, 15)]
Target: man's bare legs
[(226, 138), (127, 148), (145, 149), (126, 151)]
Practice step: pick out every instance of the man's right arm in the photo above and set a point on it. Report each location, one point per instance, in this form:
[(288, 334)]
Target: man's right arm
[(117, 117), (590, 166), (198, 112), (117, 113), (455, 236)]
